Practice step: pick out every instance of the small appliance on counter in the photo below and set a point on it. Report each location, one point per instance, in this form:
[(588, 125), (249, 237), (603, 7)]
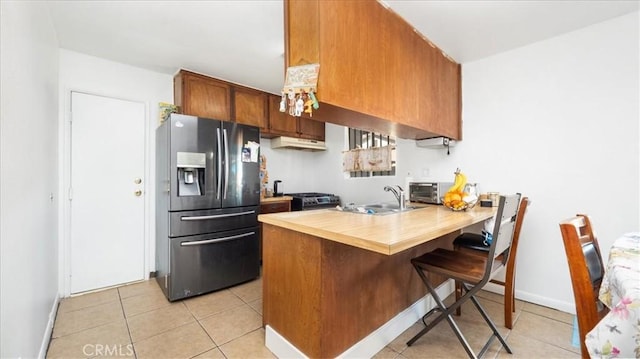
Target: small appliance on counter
[(428, 192), (277, 188), (313, 200)]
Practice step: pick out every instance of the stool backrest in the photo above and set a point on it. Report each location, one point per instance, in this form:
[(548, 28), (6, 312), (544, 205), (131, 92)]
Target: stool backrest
[(503, 229), (524, 204)]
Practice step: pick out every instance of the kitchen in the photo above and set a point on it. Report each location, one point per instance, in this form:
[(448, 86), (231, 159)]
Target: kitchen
[(510, 110)]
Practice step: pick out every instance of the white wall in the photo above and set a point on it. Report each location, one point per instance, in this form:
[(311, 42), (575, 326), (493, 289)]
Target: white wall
[(304, 171), (29, 178), (557, 120), (565, 113), (79, 72)]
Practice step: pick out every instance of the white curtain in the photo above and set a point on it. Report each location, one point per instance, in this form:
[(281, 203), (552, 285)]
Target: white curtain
[(367, 159)]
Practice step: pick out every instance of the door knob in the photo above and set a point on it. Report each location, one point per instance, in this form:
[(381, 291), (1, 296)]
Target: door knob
[(137, 181), (138, 193)]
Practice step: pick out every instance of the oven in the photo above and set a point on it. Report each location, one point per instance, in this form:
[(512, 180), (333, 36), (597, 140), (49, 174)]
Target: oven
[(312, 200)]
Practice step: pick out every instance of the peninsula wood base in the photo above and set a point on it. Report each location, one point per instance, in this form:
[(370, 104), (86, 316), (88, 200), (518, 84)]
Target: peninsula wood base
[(323, 296)]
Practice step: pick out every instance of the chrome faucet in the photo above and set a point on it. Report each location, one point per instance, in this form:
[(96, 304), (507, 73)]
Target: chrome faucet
[(399, 193)]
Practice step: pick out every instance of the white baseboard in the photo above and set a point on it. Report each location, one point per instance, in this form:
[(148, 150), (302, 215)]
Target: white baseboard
[(547, 302), (374, 342), (279, 346), (49, 329), (535, 299)]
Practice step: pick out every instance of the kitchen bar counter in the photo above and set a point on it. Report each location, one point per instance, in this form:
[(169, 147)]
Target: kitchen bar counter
[(386, 234), (341, 284)]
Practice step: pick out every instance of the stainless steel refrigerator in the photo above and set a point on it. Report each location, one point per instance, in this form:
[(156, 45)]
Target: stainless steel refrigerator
[(207, 202)]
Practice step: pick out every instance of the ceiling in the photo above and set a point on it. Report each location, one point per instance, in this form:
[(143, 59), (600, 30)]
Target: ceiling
[(242, 41)]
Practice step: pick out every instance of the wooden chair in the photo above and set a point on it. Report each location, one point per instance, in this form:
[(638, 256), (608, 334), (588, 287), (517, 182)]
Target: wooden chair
[(472, 271), (587, 271), (475, 243)]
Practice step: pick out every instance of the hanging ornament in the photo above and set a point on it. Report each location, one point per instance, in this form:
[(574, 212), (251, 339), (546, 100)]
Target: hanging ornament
[(300, 85), (283, 103)]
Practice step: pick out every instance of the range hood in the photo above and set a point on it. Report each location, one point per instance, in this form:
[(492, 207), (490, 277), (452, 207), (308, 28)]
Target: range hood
[(297, 143)]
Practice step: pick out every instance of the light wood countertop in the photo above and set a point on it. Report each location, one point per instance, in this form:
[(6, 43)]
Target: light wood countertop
[(386, 234), (275, 199)]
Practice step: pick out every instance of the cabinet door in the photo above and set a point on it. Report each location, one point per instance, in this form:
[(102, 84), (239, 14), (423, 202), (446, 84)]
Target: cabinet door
[(275, 207), (250, 107), (311, 129), (205, 98), (280, 123), (442, 109)]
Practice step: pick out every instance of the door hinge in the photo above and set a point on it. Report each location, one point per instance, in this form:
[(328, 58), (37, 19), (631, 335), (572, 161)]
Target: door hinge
[(70, 193)]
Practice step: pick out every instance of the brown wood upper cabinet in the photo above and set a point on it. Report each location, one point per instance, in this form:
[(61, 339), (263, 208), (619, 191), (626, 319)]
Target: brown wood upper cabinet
[(202, 96), (250, 107), (311, 129), (376, 71), (282, 124)]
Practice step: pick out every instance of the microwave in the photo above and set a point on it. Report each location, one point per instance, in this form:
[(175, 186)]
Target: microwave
[(428, 192)]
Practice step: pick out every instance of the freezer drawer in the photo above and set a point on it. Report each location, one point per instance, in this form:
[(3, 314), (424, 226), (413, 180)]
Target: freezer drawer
[(187, 223), (204, 263)]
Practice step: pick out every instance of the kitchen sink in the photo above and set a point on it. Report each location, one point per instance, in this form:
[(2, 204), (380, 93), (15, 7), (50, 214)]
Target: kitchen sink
[(375, 209)]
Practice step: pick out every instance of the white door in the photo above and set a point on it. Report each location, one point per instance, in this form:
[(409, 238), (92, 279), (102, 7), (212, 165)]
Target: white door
[(107, 191)]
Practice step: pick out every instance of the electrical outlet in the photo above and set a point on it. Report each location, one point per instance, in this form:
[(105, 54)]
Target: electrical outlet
[(425, 172)]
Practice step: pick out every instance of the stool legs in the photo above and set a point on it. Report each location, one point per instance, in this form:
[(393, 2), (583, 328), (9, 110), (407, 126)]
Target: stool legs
[(496, 333), (458, 295), (466, 292), (509, 302)]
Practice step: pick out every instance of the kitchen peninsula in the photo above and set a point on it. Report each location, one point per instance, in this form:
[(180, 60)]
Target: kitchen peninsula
[(332, 278)]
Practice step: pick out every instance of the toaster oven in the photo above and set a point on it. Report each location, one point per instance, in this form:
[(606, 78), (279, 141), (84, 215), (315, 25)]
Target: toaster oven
[(428, 192)]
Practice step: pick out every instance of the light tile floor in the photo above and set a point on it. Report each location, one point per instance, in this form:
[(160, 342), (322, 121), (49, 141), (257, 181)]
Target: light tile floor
[(137, 321)]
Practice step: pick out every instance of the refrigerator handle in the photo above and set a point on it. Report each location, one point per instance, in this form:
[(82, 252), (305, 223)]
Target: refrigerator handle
[(219, 164), (215, 216), (226, 164), (217, 240)]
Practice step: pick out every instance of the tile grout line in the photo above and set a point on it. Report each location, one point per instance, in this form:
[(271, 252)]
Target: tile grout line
[(146, 310), (205, 331), (126, 322), (227, 310), (83, 329), (215, 345), (93, 305)]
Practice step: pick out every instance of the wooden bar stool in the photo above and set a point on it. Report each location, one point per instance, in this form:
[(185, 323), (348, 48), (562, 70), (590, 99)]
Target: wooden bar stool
[(472, 271), (475, 244)]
